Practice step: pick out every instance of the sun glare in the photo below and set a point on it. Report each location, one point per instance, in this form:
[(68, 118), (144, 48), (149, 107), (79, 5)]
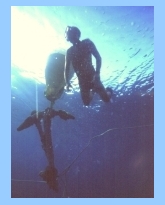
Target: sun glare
[(32, 40)]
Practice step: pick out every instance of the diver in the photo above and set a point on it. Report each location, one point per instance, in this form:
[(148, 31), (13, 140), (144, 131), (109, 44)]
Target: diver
[(80, 56), (50, 174)]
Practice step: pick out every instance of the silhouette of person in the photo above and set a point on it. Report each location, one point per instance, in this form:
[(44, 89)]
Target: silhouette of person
[(80, 56)]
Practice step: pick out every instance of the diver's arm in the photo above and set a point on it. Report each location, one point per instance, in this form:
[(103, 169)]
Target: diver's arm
[(97, 56), (67, 68), (98, 63)]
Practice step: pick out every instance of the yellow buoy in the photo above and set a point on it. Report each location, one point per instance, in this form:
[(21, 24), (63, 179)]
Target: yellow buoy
[(54, 76)]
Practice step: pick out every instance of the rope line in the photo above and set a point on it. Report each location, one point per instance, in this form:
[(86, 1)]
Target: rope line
[(68, 167), (131, 127), (20, 180)]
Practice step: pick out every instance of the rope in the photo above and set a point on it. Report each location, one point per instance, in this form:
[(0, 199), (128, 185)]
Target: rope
[(132, 127), (68, 167)]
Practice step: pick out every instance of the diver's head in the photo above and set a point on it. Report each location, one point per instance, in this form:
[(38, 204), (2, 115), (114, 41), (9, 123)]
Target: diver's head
[(72, 34)]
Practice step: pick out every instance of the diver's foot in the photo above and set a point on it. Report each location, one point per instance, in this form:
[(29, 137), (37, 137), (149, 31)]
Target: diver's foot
[(109, 92), (92, 92)]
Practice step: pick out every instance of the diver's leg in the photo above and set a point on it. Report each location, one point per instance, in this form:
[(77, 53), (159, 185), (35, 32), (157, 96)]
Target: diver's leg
[(86, 96), (86, 88), (105, 94)]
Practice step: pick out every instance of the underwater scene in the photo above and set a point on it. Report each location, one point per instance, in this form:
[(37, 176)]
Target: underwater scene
[(62, 148)]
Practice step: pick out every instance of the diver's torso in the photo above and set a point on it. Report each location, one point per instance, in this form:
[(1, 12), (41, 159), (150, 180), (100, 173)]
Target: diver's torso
[(81, 57)]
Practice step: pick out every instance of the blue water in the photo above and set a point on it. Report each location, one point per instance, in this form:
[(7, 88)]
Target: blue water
[(118, 163)]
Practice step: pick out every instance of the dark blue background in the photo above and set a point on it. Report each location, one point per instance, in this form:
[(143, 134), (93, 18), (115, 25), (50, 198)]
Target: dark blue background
[(119, 164)]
